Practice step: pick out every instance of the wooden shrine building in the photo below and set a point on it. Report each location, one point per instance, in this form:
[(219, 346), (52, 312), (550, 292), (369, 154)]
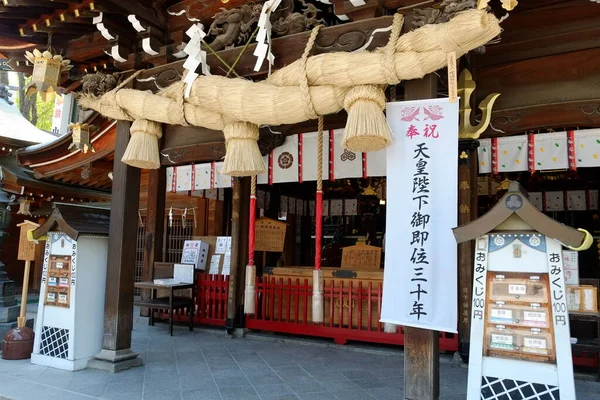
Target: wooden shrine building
[(544, 65)]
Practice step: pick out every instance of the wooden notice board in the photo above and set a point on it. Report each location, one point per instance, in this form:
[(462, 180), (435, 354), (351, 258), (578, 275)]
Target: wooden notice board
[(361, 256), (26, 248), (269, 235)]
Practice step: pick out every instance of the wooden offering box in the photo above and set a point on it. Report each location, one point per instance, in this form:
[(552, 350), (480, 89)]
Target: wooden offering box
[(348, 295)]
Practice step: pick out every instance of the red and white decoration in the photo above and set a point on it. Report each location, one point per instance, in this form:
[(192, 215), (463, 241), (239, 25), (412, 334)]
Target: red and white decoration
[(419, 285), (294, 161), (540, 152)]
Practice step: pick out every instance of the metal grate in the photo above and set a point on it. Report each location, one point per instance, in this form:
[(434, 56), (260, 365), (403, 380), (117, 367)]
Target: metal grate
[(177, 234), (54, 342), (509, 389), (139, 254)]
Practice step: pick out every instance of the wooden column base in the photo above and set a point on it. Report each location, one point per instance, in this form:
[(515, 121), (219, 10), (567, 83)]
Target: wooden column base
[(421, 364)]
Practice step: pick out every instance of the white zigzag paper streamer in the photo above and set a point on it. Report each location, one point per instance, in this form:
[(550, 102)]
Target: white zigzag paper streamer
[(196, 56), (263, 39)]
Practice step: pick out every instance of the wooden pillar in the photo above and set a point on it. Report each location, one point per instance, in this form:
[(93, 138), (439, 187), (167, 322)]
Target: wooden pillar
[(235, 251), (116, 354), (243, 232), (421, 346), (467, 211), (155, 225)]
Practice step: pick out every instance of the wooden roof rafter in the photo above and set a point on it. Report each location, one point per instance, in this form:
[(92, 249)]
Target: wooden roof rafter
[(55, 158)]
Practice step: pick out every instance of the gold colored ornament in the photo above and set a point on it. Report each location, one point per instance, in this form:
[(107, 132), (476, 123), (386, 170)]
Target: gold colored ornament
[(464, 209), (466, 87), (464, 185), (46, 72), (24, 206), (509, 5), (81, 137), (482, 4), (463, 155)]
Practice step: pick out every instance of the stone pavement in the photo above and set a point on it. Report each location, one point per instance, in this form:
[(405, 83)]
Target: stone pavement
[(208, 365)]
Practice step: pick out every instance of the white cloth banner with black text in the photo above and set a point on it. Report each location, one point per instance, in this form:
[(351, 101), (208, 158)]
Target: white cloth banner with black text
[(419, 285)]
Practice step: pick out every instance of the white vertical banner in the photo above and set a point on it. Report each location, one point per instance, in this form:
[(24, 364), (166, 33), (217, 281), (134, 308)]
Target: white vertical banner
[(63, 105), (420, 277)]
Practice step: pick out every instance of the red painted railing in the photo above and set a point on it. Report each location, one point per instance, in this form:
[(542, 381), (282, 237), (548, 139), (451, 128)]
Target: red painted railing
[(351, 311), (211, 301)]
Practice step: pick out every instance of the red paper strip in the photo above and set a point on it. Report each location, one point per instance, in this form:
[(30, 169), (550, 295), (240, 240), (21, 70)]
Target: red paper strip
[(531, 152), (495, 156), (571, 153)]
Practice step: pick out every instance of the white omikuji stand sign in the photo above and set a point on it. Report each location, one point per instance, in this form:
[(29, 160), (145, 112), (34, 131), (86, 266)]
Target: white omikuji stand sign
[(419, 286), (70, 317), (539, 258)]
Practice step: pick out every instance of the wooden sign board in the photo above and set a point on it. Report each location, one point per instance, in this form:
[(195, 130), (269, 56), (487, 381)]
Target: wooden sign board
[(269, 235), (362, 257), (26, 247)]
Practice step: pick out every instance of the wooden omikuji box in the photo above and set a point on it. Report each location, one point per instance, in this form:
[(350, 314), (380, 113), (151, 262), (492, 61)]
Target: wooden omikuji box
[(361, 257)]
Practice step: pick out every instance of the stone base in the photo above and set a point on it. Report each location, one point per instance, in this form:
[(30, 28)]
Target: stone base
[(7, 326), (115, 361), (9, 314), (239, 332)]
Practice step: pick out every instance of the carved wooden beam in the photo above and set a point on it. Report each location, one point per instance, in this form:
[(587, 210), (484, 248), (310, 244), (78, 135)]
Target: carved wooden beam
[(181, 15), (583, 113), (287, 49), (192, 144)]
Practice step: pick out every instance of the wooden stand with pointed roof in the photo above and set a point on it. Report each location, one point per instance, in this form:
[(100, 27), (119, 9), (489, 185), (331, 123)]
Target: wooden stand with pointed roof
[(510, 352)]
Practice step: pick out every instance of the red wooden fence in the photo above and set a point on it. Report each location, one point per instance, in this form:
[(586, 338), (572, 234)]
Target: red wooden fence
[(211, 301), (351, 311)]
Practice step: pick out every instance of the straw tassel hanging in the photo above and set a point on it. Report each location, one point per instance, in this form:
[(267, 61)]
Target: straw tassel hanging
[(142, 150), (317, 295), (242, 156), (366, 126), (250, 290)]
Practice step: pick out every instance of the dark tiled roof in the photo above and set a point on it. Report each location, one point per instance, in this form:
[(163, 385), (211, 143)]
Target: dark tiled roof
[(75, 220)]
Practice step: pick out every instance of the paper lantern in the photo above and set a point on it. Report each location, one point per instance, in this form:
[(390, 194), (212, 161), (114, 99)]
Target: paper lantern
[(81, 137), (24, 205), (46, 72)]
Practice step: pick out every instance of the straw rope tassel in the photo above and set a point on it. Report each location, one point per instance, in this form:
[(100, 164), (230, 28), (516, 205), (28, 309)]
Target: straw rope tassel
[(250, 290), (317, 295), (367, 128), (242, 155), (142, 150)]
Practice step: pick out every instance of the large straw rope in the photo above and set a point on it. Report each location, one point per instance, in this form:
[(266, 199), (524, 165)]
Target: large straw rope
[(309, 87), (216, 100)]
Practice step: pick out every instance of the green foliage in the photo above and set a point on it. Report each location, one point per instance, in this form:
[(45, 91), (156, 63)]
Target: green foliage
[(45, 110)]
